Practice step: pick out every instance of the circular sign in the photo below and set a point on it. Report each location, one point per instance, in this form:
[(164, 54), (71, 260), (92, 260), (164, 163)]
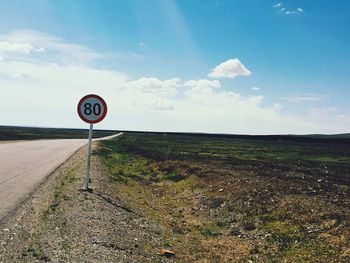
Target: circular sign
[(92, 108)]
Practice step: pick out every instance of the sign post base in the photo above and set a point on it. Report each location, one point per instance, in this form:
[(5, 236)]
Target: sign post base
[(87, 186)]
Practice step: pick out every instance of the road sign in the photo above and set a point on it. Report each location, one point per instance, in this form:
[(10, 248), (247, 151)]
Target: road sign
[(92, 108)]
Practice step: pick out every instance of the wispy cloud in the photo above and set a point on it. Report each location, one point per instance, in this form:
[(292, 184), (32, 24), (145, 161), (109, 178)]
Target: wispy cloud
[(284, 10), (316, 112), (28, 42), (304, 97), (17, 48), (255, 88)]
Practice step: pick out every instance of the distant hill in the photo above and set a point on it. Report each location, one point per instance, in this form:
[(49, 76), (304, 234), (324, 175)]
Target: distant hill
[(11, 133), (329, 136), (311, 138), (30, 133)]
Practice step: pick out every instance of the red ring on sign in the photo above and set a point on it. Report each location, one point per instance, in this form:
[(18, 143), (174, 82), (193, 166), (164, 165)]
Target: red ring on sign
[(95, 97)]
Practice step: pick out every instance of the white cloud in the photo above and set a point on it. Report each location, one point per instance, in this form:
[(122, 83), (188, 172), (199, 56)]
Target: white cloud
[(202, 85), (162, 104), (304, 97), (291, 12), (277, 5), (255, 88), (319, 112), (15, 48), (43, 40), (60, 51), (22, 74), (223, 111), (28, 41), (165, 88), (41, 49), (333, 119), (45, 93), (277, 106), (202, 105), (229, 69), (280, 9)]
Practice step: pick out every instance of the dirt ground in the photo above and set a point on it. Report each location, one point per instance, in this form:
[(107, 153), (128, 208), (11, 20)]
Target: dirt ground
[(216, 207), (203, 206), (61, 223)]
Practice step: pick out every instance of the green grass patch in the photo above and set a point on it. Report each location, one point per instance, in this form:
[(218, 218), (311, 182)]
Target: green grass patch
[(36, 251), (210, 231), (311, 251), (283, 232)]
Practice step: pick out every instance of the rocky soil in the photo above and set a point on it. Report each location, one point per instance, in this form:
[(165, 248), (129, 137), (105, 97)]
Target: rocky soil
[(61, 223)]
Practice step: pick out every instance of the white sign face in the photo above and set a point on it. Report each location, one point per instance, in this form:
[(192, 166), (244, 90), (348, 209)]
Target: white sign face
[(92, 109)]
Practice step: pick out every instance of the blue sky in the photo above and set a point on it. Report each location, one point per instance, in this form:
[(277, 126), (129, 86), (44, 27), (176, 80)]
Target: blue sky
[(152, 61)]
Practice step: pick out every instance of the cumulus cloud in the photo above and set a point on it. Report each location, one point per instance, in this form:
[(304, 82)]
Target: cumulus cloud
[(229, 69), (162, 104), (202, 85), (255, 88), (304, 97), (166, 88)]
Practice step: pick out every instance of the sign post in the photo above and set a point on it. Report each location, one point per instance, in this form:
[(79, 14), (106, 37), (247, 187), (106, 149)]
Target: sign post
[(91, 109), (87, 177)]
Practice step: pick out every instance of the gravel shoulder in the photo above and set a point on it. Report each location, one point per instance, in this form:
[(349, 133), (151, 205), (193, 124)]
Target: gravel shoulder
[(60, 223)]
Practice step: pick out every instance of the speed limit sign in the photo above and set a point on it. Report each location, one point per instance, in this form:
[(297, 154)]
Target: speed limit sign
[(92, 108)]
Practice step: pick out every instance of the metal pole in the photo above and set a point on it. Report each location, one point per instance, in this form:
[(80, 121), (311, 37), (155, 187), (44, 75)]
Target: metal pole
[(87, 177)]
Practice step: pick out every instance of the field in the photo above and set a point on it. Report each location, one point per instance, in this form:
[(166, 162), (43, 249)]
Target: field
[(207, 198), (12, 133), (231, 199)]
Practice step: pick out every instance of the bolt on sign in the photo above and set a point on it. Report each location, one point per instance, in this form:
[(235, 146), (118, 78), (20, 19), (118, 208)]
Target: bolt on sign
[(91, 109)]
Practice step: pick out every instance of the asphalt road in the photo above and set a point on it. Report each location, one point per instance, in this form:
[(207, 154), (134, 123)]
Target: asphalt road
[(24, 165)]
